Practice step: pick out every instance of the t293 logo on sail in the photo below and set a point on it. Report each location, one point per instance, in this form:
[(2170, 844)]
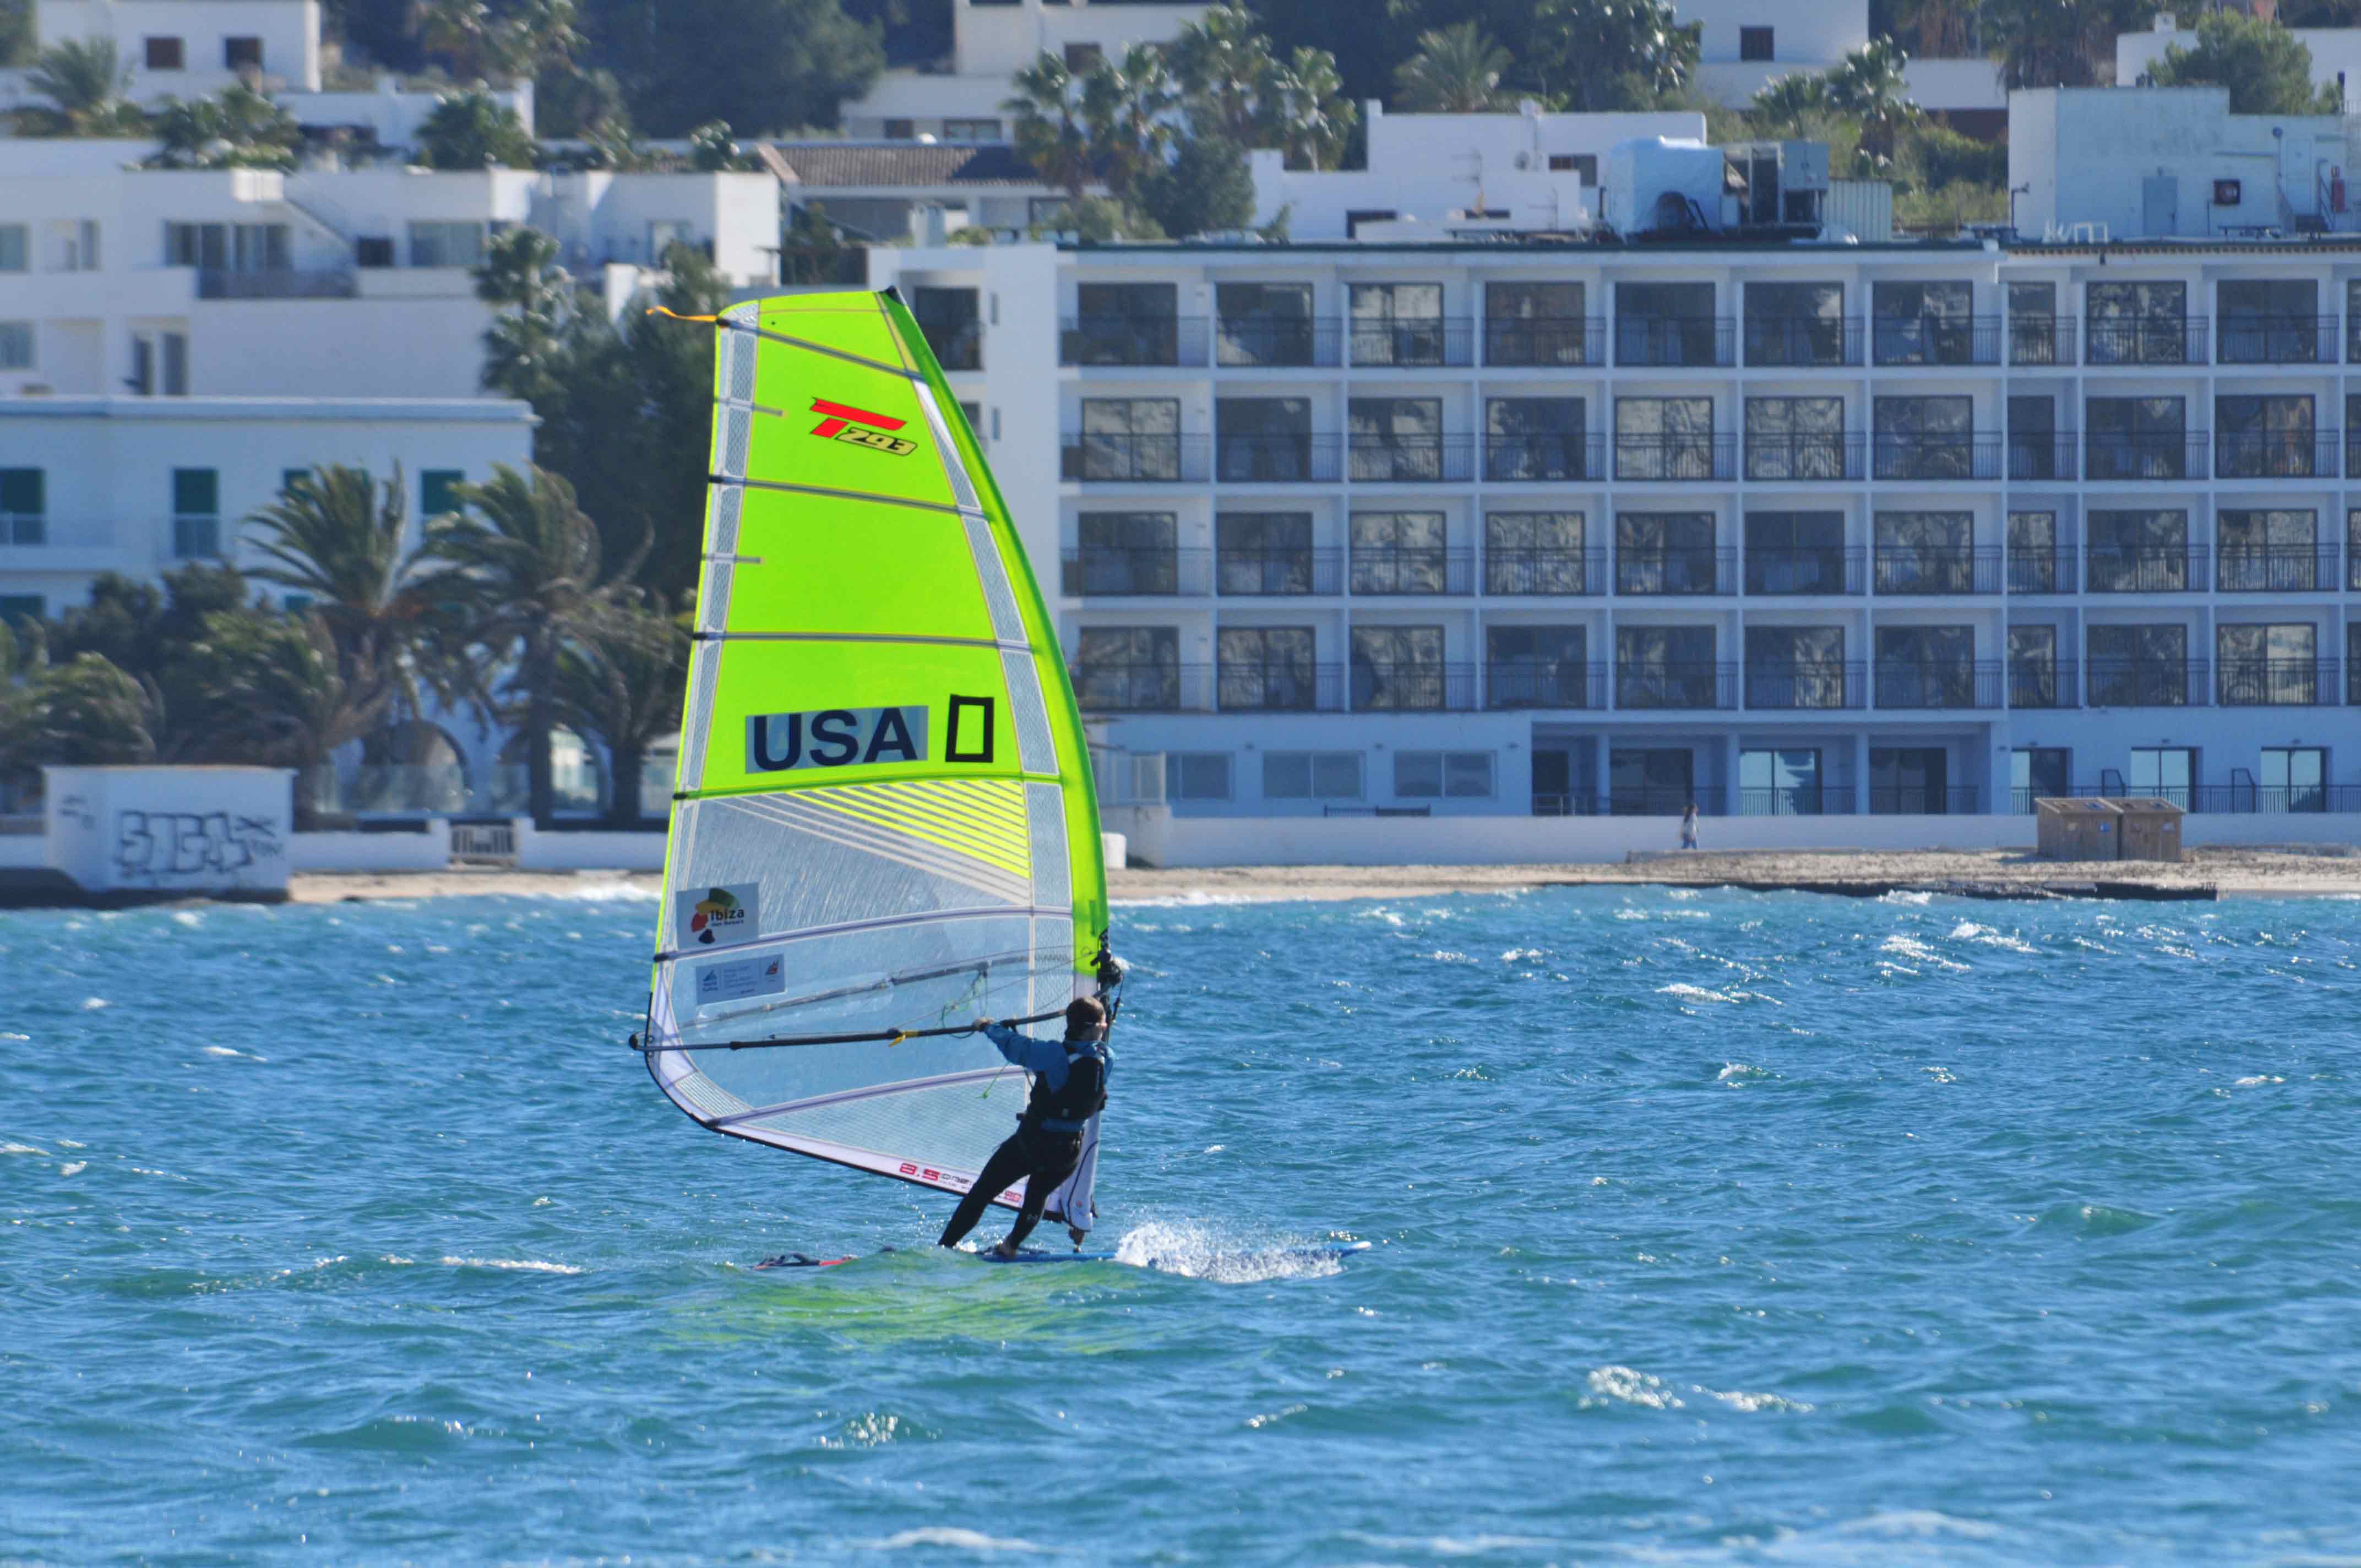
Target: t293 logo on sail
[(865, 737), (859, 427)]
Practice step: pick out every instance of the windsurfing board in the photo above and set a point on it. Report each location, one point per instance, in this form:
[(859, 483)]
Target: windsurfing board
[(801, 1260)]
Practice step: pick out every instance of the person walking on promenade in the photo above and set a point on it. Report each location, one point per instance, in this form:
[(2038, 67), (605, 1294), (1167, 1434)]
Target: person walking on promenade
[(1688, 827)]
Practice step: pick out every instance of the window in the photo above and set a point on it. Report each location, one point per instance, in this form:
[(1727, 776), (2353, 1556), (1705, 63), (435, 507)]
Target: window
[(2036, 772), (1794, 666), (438, 490), (1925, 438), (446, 245), (972, 412), (1534, 439), (1925, 553), (1397, 324), (950, 320), (1196, 775), (1653, 781), (1782, 782), (1535, 323), (2033, 323), (1665, 323), (1926, 666), (1664, 666), (2033, 666), (1129, 438), (1794, 323), (1128, 668), (1443, 775), (1263, 323), (164, 54), (229, 247), (2138, 323), (1126, 324), (2269, 550), (1268, 668), (1260, 552), (2033, 437), (1397, 667), (1583, 166), (1924, 323), (2137, 438), (2163, 772), (1535, 553), (1401, 553), (1910, 781), (2032, 553), (373, 250), (1754, 43), (905, 131), (241, 54), (14, 248), (1666, 553), (2140, 666), (1264, 438), (1128, 552), (1796, 552), (1795, 438), (196, 512), (1396, 439), (2264, 437), (75, 247), (16, 346), (1664, 438), (987, 130), (2139, 552), (2270, 320), (1081, 59), (1312, 775), (23, 506), (2267, 665), (1537, 667), (2295, 778), (16, 609)]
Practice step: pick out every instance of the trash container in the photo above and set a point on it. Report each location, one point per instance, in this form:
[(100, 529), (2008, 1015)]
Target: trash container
[(2076, 829), (2151, 830)]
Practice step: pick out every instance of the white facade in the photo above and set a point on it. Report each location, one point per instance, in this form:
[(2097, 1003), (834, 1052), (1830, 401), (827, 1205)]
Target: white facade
[(193, 49), (1351, 527), (991, 44), (2335, 53), (2157, 162)]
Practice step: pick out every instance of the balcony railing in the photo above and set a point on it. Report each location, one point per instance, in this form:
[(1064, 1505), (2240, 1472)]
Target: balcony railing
[(1278, 342), (1828, 685), (1922, 800), (1779, 571), (1407, 459), (1630, 803), (1512, 684), (1110, 340), (2038, 456), (1677, 683), (2041, 340), (1674, 340), (1973, 454), (2275, 568), (2144, 568), (2043, 684), (40, 533), (1649, 571), (2147, 682), (1279, 686), (1546, 341), (2261, 455), (1829, 799), (2276, 682), (1675, 458), (1930, 569), (2246, 799), (1392, 570), (1544, 459), (1409, 342), (1115, 459), (1397, 688), (2157, 454), (1802, 340), (1939, 683), (1277, 459), (2160, 340), (2277, 340), (1143, 571), (1545, 571), (1144, 688), (1277, 573), (1835, 454), (196, 536), (2050, 571), (1935, 340), (276, 283)]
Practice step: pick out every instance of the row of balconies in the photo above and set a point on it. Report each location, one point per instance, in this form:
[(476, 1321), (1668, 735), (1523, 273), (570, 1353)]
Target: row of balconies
[(1396, 571), (1579, 457), (1365, 687), (1837, 797), (1677, 342)]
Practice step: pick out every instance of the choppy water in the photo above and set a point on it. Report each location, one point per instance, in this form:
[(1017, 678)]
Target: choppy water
[(1711, 1228)]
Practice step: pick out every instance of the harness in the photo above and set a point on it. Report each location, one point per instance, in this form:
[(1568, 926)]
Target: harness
[(1069, 1109)]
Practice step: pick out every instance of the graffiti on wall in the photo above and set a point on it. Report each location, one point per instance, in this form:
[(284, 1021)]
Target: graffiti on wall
[(161, 847)]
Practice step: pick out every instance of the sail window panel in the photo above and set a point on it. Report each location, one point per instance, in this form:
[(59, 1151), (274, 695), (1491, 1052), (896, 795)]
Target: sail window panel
[(854, 568)]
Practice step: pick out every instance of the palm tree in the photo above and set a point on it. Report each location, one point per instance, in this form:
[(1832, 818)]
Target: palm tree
[(459, 30), (1223, 64), (1127, 111), (84, 78), (1868, 85), (1049, 133), (518, 576), (282, 690), (339, 538), (1314, 118), (1456, 70), (626, 689)]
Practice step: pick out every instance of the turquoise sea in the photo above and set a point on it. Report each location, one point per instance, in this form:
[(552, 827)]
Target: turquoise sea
[(1710, 1228)]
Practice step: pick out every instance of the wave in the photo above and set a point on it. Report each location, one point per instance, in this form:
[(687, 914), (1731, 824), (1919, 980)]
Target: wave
[(1197, 1251)]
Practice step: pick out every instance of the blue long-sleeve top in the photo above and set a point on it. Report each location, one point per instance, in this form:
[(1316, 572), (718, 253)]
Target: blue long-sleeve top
[(1046, 1058)]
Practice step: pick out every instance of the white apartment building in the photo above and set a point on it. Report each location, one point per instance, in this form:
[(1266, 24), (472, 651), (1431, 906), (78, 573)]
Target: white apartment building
[(1513, 526), (193, 49)]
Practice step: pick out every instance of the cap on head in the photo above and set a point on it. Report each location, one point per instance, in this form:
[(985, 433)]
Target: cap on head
[(1083, 1013)]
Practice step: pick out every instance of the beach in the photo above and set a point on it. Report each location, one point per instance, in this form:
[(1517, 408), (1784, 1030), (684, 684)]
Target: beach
[(2282, 871)]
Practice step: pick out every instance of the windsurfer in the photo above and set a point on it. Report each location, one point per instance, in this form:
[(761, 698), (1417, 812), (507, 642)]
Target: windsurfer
[(1069, 1090)]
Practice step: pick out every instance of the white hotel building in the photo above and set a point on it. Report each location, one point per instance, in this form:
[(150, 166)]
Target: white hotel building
[(1461, 512)]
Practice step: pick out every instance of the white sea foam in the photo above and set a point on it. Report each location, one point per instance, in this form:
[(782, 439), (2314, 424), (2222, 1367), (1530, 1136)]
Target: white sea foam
[(2258, 1081), (221, 1051), (1919, 952), (525, 1264), (1623, 1385), (605, 892), (93, 1003), (1741, 1072), (1698, 994), (952, 1537), (1924, 1523), (1904, 896), (188, 917), (5, 1034), (1200, 1252), (74, 1167), (1968, 931), (21, 1148)]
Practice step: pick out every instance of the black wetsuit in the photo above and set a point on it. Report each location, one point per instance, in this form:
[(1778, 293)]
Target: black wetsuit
[(1069, 1088)]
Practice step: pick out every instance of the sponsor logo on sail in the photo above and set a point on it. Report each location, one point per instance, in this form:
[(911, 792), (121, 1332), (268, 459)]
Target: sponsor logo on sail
[(865, 737), (859, 427), (719, 916)]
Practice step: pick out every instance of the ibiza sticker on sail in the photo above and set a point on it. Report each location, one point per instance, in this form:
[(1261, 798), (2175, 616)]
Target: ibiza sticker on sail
[(718, 917)]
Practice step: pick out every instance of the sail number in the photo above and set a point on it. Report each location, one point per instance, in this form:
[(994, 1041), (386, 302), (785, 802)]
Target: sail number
[(860, 736)]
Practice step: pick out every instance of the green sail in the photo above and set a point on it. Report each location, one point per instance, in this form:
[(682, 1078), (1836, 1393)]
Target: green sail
[(884, 820)]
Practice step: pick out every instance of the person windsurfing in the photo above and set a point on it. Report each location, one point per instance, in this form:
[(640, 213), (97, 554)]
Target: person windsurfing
[(1070, 1082)]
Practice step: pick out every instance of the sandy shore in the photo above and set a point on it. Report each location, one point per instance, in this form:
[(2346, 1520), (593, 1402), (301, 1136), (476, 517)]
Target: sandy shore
[(2277, 873)]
